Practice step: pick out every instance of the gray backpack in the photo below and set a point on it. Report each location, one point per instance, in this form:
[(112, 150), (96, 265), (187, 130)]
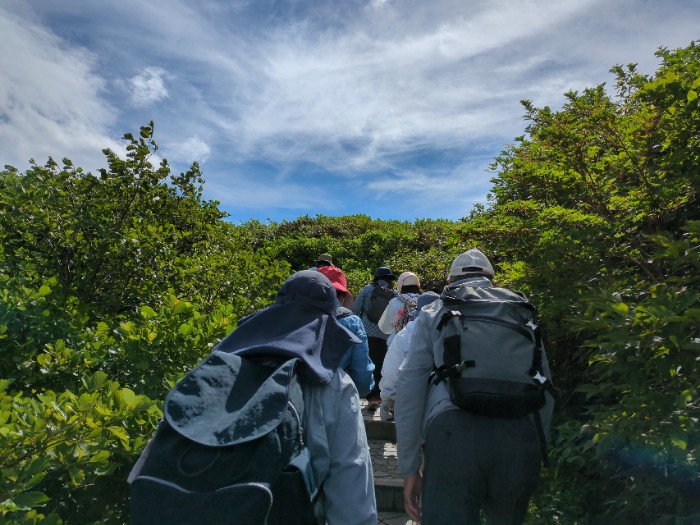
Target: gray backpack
[(492, 354)]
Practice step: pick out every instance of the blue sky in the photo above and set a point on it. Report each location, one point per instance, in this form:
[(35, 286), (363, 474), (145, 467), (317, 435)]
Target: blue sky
[(390, 108)]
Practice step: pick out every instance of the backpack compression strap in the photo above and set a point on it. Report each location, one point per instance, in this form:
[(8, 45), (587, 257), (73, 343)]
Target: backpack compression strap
[(343, 312), (451, 345)]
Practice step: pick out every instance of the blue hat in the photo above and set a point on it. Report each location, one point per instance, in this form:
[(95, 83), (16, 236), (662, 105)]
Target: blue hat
[(384, 272), (423, 300), (301, 323)]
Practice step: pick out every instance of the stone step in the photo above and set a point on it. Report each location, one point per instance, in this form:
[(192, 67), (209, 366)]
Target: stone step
[(388, 484), (377, 429)]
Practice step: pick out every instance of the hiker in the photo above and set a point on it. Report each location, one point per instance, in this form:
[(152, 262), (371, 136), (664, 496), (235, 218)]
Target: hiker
[(356, 361), (459, 460), (369, 306), (395, 355), (397, 312), (216, 454), (324, 259)]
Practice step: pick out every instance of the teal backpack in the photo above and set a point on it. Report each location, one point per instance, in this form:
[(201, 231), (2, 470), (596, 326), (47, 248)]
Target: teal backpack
[(229, 450)]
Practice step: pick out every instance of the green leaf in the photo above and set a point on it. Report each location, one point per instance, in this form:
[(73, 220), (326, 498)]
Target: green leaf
[(692, 95), (128, 397), (680, 440), (96, 380), (44, 291), (31, 499), (102, 456), (120, 432), (147, 312), (622, 308)]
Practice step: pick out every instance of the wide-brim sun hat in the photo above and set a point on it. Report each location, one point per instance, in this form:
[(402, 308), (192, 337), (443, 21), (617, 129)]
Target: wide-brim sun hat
[(302, 316), (384, 272), (324, 258)]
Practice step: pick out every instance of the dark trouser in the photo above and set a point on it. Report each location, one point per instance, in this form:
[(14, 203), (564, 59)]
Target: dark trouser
[(377, 352), (475, 462)]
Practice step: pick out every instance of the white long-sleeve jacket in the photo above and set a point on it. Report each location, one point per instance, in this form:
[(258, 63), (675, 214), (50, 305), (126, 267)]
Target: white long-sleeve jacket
[(395, 355)]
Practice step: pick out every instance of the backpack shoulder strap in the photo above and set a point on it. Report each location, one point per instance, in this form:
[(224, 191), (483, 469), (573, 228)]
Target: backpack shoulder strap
[(342, 312), (451, 344)]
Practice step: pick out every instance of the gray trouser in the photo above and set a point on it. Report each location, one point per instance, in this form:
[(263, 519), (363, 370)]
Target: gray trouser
[(475, 462)]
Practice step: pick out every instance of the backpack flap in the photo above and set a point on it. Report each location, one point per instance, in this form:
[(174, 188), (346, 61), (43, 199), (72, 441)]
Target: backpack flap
[(229, 400)]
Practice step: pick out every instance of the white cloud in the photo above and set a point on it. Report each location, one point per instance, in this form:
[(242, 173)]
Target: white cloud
[(192, 149), (50, 98), (388, 91), (452, 190), (147, 87), (351, 89)]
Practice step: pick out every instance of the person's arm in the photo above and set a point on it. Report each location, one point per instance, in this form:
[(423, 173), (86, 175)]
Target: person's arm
[(411, 391), (395, 355), (349, 485), (358, 307), (360, 367), (411, 496)]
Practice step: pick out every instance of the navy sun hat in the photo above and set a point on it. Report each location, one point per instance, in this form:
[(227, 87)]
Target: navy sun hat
[(384, 272), (301, 323)]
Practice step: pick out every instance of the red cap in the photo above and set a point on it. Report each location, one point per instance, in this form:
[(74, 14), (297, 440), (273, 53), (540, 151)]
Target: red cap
[(335, 276)]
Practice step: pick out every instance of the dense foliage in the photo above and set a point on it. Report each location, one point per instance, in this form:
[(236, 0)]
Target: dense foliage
[(115, 284)]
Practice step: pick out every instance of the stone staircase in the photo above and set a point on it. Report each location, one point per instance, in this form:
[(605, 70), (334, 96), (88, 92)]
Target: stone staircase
[(388, 484)]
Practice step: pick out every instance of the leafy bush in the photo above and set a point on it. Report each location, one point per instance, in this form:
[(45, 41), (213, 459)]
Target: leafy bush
[(113, 286)]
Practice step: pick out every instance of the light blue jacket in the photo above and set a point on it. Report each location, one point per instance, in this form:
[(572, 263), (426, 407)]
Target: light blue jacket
[(340, 458), (356, 361)]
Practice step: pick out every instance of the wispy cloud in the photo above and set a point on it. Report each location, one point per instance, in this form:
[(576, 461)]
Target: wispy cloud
[(51, 101), (192, 149), (355, 91), (386, 92), (147, 87)]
